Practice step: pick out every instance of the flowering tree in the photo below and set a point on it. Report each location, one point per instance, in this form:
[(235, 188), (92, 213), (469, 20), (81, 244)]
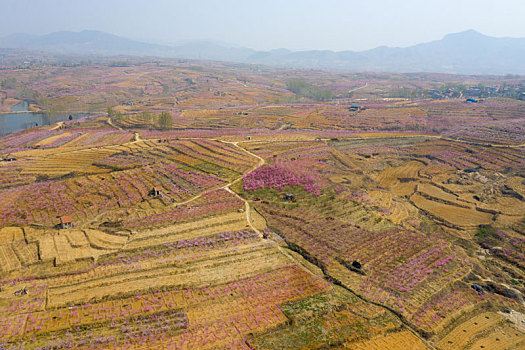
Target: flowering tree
[(278, 177)]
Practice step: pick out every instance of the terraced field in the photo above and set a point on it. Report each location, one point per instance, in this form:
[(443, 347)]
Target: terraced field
[(393, 220), (211, 209), (488, 330), (191, 258)]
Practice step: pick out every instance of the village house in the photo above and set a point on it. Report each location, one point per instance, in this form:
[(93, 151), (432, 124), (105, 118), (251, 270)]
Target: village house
[(156, 192), (66, 222)]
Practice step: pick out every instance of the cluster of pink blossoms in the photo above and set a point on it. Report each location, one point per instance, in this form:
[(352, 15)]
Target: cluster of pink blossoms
[(277, 177)]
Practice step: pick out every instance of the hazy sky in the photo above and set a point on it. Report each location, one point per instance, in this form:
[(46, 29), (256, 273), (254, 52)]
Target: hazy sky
[(269, 24)]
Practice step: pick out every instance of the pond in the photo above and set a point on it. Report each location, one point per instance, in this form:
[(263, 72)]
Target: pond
[(21, 107), (24, 119)]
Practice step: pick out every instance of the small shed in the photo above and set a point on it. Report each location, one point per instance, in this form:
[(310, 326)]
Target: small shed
[(22, 291), (9, 158), (66, 222), (156, 192), (477, 288), (289, 197)]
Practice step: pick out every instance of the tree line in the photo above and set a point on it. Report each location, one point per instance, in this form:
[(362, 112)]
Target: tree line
[(161, 120), (302, 88)]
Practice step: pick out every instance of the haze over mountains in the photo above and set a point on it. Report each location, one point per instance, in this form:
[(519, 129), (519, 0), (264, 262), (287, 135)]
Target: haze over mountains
[(468, 52)]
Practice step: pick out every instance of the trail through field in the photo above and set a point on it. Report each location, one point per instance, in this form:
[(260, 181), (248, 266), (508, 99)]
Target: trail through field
[(285, 126), (247, 206), (57, 126), (358, 88), (246, 203), (225, 187), (249, 214), (249, 218), (110, 122)]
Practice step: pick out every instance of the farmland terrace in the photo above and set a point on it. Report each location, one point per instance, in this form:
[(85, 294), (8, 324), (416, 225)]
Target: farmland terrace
[(213, 208)]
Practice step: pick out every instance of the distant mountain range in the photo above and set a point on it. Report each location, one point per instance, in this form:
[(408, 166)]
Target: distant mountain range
[(468, 52)]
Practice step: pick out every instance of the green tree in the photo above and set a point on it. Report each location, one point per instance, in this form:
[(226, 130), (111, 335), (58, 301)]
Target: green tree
[(111, 112), (146, 117), (165, 120), (297, 86), (302, 88)]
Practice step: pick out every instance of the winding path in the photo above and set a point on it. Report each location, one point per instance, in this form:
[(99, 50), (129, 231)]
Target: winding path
[(246, 203), (249, 219), (358, 88)]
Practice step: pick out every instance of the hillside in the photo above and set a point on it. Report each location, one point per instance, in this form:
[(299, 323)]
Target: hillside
[(468, 52), (213, 208)]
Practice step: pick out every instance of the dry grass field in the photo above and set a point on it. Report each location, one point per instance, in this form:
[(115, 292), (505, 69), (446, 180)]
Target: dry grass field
[(212, 208)]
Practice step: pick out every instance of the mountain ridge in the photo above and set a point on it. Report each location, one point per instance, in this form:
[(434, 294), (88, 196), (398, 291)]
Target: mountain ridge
[(468, 52)]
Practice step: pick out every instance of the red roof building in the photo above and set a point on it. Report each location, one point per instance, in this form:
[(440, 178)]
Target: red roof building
[(66, 222)]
